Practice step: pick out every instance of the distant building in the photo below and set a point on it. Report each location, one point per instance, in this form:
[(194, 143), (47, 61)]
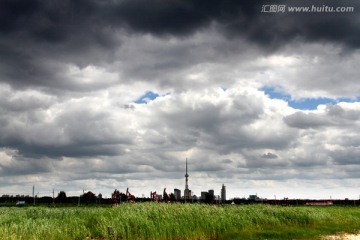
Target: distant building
[(177, 193), (223, 193), (203, 195), (187, 195), (208, 196), (211, 192), (253, 198)]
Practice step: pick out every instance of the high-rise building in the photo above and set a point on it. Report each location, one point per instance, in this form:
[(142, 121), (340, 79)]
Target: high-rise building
[(211, 192), (177, 193), (223, 193), (187, 191), (203, 195)]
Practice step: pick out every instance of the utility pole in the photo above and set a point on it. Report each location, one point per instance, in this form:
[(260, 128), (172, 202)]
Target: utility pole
[(53, 199), (34, 194)]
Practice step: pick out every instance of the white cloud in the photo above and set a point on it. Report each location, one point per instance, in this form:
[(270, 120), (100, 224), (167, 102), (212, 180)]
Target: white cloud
[(313, 70)]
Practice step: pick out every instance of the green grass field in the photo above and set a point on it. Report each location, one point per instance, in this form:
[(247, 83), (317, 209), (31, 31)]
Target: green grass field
[(177, 221)]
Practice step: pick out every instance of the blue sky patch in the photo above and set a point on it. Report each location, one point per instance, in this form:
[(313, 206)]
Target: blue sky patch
[(148, 96), (304, 103), (275, 94), (310, 103)]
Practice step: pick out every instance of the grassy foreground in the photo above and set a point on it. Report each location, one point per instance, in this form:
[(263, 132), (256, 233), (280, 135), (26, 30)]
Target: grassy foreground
[(177, 221)]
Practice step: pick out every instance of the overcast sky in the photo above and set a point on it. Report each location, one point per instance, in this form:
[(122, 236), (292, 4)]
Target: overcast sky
[(98, 95)]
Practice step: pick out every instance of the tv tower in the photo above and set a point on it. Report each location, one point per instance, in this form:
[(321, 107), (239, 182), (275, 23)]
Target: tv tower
[(187, 192)]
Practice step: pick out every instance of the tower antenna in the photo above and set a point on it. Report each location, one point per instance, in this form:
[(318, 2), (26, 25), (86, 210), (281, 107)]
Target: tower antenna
[(187, 191)]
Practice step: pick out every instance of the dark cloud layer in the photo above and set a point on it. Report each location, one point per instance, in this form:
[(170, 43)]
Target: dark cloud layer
[(58, 21), (333, 115), (84, 32), (242, 18)]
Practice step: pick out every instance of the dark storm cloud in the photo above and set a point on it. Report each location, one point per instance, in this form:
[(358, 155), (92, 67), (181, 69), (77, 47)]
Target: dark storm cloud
[(57, 21), (78, 131), (20, 165), (334, 115), (242, 18), (50, 21), (269, 156), (305, 120), (226, 161), (39, 38), (349, 156)]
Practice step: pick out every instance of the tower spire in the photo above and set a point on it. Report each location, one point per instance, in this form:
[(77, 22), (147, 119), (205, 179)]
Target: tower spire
[(187, 192)]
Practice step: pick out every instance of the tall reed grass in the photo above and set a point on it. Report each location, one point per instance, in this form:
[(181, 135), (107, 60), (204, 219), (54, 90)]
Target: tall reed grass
[(175, 221)]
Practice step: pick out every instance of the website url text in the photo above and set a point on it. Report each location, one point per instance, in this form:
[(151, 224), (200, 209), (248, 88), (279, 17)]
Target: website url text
[(308, 9)]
